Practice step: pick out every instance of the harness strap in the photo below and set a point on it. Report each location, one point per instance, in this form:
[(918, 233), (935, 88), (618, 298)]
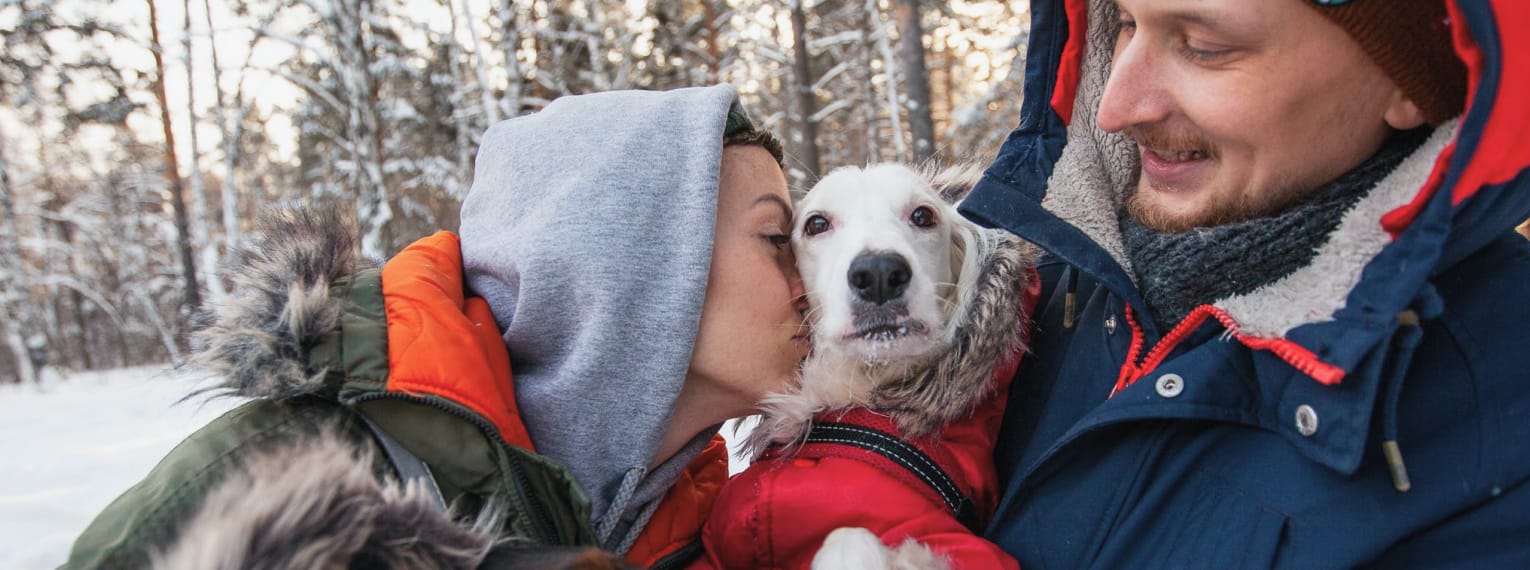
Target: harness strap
[(410, 468), (905, 455)]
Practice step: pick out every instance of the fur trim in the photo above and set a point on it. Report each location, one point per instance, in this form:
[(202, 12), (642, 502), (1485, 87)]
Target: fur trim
[(331, 513), (1090, 180), (921, 396), (257, 341), (949, 386), (1091, 176)]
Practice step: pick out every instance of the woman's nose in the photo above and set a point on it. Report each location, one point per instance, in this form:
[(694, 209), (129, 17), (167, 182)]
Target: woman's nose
[(797, 289)]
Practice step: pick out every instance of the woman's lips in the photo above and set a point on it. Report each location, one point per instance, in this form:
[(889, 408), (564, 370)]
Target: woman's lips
[(803, 341)]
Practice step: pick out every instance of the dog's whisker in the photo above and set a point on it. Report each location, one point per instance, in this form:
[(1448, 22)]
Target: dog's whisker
[(814, 312)]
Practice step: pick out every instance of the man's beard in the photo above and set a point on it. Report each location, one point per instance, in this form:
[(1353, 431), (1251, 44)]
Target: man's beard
[(1221, 206)]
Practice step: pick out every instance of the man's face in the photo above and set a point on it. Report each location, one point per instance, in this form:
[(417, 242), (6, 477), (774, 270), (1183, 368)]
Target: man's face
[(1240, 107)]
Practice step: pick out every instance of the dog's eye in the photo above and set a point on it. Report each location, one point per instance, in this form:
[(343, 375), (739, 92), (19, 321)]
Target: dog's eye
[(922, 217), (815, 225)]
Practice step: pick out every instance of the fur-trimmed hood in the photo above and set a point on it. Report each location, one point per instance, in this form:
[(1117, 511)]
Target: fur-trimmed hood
[(332, 513), (259, 343), (1058, 181)]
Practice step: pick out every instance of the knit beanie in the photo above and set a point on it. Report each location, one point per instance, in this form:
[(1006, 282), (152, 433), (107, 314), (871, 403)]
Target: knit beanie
[(1411, 41), (738, 122)]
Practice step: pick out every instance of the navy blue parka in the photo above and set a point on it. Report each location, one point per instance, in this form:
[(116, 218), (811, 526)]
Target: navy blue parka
[(1372, 408)]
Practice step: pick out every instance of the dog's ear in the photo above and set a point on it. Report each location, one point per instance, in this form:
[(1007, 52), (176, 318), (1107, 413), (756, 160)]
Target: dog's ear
[(952, 182), (968, 249)]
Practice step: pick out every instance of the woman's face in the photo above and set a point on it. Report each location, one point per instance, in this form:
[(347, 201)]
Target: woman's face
[(752, 336)]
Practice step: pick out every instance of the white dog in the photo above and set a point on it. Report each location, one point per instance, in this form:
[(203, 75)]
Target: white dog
[(915, 312)]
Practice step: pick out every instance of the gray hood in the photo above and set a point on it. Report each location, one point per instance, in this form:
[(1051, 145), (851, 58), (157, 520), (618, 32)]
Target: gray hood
[(588, 229)]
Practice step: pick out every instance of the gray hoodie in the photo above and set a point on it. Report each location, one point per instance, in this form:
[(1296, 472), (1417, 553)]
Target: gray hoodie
[(589, 229)]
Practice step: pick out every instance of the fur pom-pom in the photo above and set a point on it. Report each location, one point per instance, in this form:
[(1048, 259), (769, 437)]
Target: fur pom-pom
[(257, 339)]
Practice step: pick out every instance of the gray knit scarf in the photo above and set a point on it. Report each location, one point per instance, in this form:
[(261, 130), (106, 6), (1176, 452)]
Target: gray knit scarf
[(1177, 272)]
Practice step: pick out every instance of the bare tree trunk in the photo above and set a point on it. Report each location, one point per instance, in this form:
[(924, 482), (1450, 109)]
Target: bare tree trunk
[(207, 251), (461, 136), (193, 298), (351, 18), (714, 41), (510, 44), (807, 102), (480, 63), (228, 192), (76, 300), (948, 79), (871, 147), (16, 304), (916, 77)]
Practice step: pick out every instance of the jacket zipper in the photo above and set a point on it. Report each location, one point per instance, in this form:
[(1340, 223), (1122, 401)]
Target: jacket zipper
[(1292, 353), (541, 520)]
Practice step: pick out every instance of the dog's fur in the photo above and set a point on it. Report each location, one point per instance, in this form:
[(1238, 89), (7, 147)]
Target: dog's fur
[(924, 358), (962, 304)]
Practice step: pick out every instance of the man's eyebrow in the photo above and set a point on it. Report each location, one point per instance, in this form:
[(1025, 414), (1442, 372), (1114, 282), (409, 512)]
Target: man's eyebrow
[(1189, 16), (786, 209), (1195, 17), (1209, 20)]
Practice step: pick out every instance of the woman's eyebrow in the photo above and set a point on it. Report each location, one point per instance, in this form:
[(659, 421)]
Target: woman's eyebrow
[(786, 209)]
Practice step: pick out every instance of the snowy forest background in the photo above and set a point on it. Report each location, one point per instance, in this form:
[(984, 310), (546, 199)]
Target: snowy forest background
[(139, 139)]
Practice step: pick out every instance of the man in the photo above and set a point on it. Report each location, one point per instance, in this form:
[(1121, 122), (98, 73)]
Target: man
[(1283, 317)]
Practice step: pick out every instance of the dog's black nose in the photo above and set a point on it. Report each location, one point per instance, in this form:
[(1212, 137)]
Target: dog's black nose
[(879, 277)]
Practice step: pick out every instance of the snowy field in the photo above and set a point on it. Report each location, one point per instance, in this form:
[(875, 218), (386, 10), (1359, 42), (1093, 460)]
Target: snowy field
[(70, 447)]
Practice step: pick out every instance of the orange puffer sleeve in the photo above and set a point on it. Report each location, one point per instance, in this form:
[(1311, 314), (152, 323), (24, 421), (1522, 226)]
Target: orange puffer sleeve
[(678, 519), (443, 343)]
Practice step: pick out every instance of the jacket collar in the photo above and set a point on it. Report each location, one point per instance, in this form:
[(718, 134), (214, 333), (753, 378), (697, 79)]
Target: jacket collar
[(1058, 179)]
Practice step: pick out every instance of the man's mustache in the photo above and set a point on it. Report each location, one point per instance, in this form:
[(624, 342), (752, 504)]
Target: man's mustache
[(1163, 139)]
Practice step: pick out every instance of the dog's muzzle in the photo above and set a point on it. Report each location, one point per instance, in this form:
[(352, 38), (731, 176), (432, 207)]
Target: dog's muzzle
[(879, 277)]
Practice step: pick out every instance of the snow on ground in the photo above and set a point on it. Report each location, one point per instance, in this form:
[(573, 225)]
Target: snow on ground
[(69, 447)]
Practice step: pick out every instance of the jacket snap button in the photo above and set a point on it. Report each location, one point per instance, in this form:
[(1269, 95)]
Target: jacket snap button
[(1110, 324), (1306, 420), (1170, 385)]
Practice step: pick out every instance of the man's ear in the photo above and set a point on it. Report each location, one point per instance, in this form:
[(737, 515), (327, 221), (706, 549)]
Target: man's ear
[(1402, 113)]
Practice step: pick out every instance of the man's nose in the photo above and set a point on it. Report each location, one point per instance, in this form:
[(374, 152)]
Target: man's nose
[(1134, 93)]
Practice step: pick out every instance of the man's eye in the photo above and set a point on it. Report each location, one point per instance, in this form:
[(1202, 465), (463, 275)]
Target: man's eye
[(1199, 54), (815, 224), (779, 240)]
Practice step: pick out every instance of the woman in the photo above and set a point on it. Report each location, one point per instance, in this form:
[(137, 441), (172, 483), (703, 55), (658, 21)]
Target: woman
[(625, 254)]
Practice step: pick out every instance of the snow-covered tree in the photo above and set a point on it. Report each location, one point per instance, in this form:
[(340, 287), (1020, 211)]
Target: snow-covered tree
[(381, 109)]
